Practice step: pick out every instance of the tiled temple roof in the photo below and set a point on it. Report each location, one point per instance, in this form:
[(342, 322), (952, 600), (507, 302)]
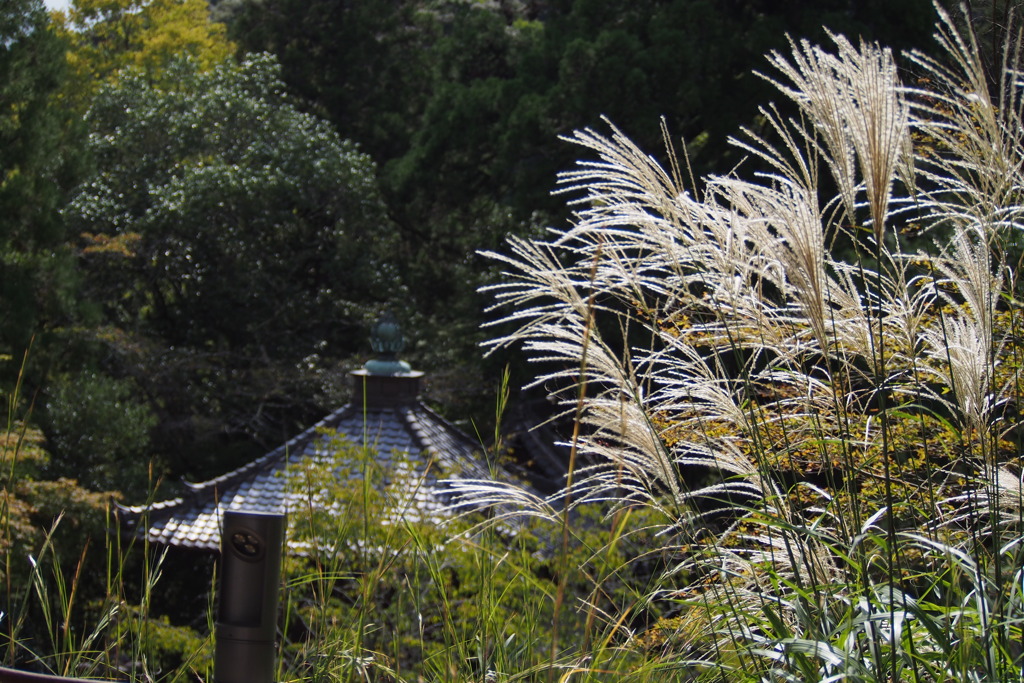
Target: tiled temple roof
[(400, 432)]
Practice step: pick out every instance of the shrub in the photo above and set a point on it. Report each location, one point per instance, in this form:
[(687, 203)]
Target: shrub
[(74, 601)]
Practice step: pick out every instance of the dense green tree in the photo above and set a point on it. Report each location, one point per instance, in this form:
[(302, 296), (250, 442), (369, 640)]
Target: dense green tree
[(99, 432), (506, 89), (96, 427), (485, 90), (236, 245), (38, 163), (105, 36), (361, 63), (375, 69)]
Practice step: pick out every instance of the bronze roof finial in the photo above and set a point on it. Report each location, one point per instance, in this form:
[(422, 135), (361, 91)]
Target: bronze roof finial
[(387, 341)]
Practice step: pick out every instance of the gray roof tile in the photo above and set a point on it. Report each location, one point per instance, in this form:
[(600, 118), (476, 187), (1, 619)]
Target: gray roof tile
[(409, 438)]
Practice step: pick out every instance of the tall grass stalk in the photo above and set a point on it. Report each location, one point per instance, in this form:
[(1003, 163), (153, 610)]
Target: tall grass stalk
[(808, 376), (385, 595), (14, 438)]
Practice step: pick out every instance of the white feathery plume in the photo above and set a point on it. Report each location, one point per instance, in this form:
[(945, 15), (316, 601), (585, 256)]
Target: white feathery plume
[(959, 350), (975, 164), (998, 497), (817, 87), (755, 342), (967, 266), (855, 101), (509, 500), (783, 224), (878, 119), (961, 343)]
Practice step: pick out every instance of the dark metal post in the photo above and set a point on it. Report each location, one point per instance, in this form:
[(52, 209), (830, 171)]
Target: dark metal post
[(251, 546)]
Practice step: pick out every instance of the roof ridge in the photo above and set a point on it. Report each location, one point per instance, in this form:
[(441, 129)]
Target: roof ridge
[(390, 434), (284, 450)]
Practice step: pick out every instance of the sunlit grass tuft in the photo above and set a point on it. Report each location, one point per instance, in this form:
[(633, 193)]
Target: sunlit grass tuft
[(819, 408)]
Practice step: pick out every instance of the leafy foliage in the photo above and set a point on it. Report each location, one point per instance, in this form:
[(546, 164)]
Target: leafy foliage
[(379, 591), (99, 434), (38, 164), (465, 129), (383, 592), (70, 600), (360, 64), (106, 36), (232, 240), (40, 518)]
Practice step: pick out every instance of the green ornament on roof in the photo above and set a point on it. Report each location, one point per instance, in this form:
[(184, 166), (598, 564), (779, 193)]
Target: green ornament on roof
[(387, 341)]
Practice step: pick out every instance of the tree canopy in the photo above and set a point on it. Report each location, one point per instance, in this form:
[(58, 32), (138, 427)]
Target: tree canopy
[(466, 131), (230, 238), (105, 36), (39, 161)]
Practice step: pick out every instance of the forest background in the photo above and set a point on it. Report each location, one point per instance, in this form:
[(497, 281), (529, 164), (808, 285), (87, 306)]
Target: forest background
[(203, 207), (202, 211)]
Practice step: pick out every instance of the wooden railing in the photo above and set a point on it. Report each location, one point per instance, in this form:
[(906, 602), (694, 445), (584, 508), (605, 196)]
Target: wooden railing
[(15, 676)]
